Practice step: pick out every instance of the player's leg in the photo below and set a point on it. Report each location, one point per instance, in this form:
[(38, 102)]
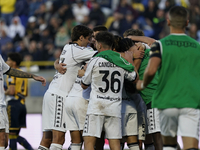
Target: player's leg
[(92, 130), (48, 115), (89, 142), (22, 121), (154, 127), (58, 140), (100, 142), (130, 130), (169, 127), (4, 128), (46, 140), (76, 140), (132, 142), (114, 144), (189, 127), (113, 130), (148, 143), (13, 110)]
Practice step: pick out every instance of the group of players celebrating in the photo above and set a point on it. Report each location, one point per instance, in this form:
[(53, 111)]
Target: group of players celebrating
[(126, 91), (123, 90)]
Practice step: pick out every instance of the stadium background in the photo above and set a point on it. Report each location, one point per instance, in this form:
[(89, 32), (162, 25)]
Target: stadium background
[(38, 29)]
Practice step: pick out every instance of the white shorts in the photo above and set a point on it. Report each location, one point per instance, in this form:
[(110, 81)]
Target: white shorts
[(4, 124), (76, 109), (153, 121), (53, 114), (182, 122), (129, 124), (94, 124)]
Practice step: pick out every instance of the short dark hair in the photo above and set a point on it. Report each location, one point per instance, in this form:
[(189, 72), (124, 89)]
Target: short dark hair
[(106, 38), (117, 38), (136, 32), (125, 44), (100, 28), (178, 17), (16, 57), (79, 30)]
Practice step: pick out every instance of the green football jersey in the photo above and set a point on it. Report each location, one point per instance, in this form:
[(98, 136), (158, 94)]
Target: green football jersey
[(179, 73), (149, 90)]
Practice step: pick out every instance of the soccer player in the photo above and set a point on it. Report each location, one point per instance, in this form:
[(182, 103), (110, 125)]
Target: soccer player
[(176, 57), (53, 113), (16, 109), (4, 125), (153, 136), (105, 72)]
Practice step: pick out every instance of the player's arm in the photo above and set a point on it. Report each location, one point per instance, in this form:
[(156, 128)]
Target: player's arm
[(137, 60), (128, 55), (87, 78), (152, 67), (144, 39), (60, 67), (21, 74)]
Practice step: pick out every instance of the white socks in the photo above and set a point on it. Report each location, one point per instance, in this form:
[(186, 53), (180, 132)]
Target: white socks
[(42, 148), (55, 146), (76, 146)]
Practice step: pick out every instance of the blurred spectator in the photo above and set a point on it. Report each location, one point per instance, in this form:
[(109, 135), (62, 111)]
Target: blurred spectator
[(150, 12), (4, 27), (4, 38), (53, 26), (33, 51), (22, 49), (33, 6), (41, 11), (69, 24), (193, 31), (115, 25), (22, 10), (32, 31), (127, 22), (80, 12), (64, 13), (124, 6), (96, 15), (16, 29), (46, 37), (7, 48), (7, 10), (62, 37), (169, 4), (158, 23), (41, 23), (194, 16)]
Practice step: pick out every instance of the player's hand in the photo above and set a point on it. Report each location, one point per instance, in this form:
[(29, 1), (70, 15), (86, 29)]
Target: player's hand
[(41, 79), (81, 72), (138, 54), (140, 144), (140, 46), (150, 41), (61, 68), (139, 85)]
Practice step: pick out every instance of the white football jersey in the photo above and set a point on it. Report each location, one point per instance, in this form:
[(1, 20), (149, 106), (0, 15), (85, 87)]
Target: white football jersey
[(3, 69), (72, 55), (76, 90), (106, 81)]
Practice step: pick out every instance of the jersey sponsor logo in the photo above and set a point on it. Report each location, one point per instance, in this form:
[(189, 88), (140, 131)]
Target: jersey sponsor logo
[(126, 99), (109, 98), (106, 64), (63, 52), (180, 43)]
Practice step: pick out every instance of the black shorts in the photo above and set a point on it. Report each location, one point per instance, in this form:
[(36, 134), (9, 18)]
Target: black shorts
[(16, 114)]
